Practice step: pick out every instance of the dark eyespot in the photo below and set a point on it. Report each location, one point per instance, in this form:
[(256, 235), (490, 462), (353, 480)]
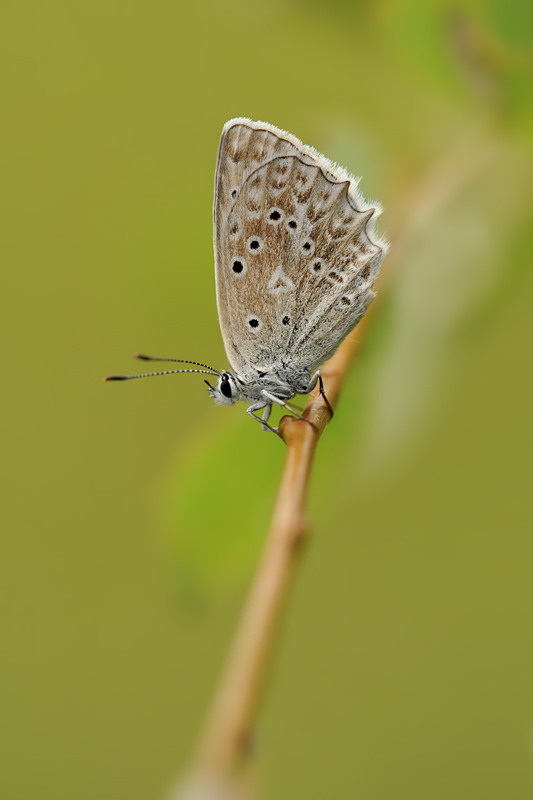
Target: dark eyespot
[(292, 224), (239, 266), (308, 247), (253, 323), (317, 265), (225, 388), (274, 216), (234, 194), (286, 320), (254, 244)]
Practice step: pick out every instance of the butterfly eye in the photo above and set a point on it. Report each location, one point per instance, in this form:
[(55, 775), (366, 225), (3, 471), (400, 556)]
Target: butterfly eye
[(234, 194), (225, 387)]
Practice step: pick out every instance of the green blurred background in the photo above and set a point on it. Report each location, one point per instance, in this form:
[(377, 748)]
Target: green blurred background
[(134, 514)]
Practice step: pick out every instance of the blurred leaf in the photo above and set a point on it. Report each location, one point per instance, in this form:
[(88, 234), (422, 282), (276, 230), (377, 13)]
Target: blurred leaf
[(217, 503)]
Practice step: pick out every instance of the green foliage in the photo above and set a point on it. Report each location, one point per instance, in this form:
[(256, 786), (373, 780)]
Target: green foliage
[(217, 503)]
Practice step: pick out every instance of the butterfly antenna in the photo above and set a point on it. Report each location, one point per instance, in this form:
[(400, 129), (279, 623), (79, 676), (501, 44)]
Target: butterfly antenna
[(179, 360), (152, 374)]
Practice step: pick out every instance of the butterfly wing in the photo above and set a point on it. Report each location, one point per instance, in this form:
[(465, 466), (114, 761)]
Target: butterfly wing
[(295, 251)]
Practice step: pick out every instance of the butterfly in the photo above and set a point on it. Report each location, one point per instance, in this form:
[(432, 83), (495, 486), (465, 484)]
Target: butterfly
[(296, 258)]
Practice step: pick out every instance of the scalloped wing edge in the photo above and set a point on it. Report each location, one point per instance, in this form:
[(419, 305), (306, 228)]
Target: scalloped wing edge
[(331, 169)]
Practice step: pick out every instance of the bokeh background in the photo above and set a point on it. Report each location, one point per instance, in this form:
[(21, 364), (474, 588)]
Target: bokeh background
[(134, 514)]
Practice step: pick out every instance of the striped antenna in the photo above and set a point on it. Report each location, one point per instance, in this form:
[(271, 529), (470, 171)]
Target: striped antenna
[(179, 360), (206, 371)]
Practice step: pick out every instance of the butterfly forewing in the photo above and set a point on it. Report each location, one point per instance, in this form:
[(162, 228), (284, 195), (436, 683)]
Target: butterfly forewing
[(294, 251)]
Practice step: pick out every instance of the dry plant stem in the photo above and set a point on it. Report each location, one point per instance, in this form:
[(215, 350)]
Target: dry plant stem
[(227, 735)]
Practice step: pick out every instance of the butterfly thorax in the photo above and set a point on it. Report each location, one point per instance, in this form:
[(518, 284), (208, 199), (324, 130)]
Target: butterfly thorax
[(281, 382)]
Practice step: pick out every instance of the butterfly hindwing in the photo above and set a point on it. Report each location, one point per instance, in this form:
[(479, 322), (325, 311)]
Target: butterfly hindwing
[(295, 256)]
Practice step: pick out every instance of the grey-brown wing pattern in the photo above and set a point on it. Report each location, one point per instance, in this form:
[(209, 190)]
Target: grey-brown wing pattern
[(295, 259)]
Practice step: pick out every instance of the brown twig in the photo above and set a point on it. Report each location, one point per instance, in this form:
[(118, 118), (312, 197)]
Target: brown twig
[(226, 738), (228, 731)]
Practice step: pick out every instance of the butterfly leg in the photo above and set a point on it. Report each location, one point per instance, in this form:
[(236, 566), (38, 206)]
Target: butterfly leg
[(312, 383), (273, 399), (266, 414), (294, 406)]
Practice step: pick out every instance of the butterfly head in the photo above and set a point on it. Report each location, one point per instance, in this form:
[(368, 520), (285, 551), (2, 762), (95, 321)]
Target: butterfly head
[(225, 392)]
